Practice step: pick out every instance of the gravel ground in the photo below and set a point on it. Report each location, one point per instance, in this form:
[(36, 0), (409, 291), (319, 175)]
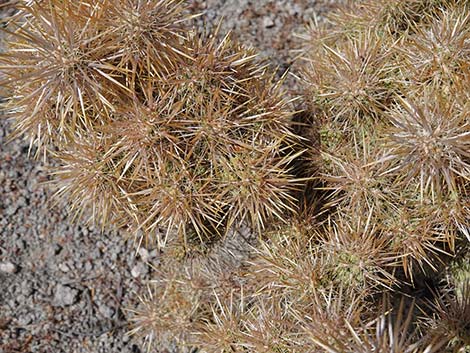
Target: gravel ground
[(64, 287)]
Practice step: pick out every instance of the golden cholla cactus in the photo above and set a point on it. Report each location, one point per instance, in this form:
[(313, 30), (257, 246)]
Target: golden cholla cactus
[(156, 129)]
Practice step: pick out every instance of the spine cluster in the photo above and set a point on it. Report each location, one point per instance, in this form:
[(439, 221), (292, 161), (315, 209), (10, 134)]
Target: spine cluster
[(156, 129), (377, 258), (183, 136)]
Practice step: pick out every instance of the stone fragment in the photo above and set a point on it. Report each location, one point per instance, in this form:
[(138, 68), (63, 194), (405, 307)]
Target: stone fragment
[(8, 267), (141, 269), (106, 311), (144, 254), (64, 296), (268, 22)]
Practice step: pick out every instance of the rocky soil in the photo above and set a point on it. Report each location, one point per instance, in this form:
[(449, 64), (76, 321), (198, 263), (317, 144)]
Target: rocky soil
[(65, 287)]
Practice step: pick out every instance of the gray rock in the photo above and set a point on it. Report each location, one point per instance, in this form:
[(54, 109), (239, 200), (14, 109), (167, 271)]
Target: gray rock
[(64, 296), (12, 303), (8, 267), (139, 270), (154, 253), (11, 210), (21, 202), (106, 311), (25, 320), (64, 268), (56, 248), (144, 254), (268, 22), (26, 289), (88, 266)]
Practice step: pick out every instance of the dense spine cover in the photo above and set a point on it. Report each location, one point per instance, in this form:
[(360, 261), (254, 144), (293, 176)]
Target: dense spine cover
[(157, 127)]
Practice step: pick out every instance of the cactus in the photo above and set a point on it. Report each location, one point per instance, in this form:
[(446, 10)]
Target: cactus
[(65, 69), (157, 130), (407, 166), (391, 167), (182, 136)]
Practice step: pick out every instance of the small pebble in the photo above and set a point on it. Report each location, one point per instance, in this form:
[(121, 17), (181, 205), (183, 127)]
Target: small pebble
[(139, 270), (26, 289), (64, 268), (25, 320), (56, 249), (88, 266), (11, 210), (8, 267), (106, 311), (144, 254), (268, 22), (64, 296)]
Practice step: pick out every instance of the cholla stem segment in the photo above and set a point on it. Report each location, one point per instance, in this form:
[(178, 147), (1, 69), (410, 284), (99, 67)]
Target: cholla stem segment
[(154, 127)]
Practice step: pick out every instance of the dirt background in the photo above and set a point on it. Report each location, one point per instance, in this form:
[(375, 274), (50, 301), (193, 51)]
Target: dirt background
[(64, 287)]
